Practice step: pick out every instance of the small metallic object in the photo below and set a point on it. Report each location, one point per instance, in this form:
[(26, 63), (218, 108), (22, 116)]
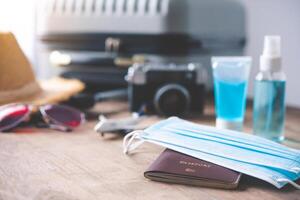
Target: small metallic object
[(126, 62), (114, 125), (112, 45)]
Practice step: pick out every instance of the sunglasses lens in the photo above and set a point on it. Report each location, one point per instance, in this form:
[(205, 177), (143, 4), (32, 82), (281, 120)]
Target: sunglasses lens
[(12, 115), (64, 115)]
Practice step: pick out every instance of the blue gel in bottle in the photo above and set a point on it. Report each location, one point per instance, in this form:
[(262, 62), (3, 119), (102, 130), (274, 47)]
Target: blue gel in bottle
[(230, 87), (230, 99)]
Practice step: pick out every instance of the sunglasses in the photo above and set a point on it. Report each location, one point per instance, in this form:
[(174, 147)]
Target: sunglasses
[(58, 117)]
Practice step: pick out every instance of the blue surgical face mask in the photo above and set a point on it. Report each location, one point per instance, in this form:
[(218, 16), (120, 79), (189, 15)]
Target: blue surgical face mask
[(241, 152)]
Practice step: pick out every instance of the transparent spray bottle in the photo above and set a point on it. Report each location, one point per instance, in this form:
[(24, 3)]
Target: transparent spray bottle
[(269, 96)]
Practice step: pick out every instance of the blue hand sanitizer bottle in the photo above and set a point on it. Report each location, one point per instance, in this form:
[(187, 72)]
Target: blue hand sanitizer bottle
[(269, 96)]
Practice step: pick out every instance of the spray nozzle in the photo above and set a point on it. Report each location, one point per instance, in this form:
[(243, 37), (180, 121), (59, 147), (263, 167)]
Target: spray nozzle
[(272, 46), (270, 60)]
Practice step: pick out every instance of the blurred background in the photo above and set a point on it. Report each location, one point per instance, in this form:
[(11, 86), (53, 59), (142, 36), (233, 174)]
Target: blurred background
[(262, 17)]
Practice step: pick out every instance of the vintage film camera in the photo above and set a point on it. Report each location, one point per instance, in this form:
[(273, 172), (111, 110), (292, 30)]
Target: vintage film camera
[(167, 89)]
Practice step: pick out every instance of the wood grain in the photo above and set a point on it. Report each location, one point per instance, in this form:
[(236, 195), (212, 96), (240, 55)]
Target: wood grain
[(52, 165)]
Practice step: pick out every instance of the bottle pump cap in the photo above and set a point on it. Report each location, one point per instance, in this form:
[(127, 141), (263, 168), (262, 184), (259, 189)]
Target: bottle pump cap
[(270, 60), (272, 46)]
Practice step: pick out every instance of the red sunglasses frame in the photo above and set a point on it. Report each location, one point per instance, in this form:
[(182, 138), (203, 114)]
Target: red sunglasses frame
[(50, 121)]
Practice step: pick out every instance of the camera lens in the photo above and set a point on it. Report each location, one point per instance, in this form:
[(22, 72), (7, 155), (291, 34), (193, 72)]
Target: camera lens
[(172, 99)]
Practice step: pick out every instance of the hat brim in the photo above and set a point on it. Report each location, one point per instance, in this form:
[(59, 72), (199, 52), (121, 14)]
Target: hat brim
[(51, 91)]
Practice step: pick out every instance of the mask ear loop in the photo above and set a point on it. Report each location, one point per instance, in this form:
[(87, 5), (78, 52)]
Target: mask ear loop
[(128, 140), (296, 169), (289, 181)]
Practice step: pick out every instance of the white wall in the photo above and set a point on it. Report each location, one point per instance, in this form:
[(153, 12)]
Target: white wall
[(280, 17), (18, 16)]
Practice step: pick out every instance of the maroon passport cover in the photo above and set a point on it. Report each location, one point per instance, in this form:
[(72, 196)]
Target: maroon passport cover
[(175, 167)]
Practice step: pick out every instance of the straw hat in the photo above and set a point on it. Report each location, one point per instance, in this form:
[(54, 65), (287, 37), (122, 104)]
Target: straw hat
[(18, 82)]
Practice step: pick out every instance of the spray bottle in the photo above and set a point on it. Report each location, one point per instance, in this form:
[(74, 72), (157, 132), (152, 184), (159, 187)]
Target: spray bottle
[(269, 96)]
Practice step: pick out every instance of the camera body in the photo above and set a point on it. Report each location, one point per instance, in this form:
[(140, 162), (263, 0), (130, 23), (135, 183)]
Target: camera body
[(167, 89)]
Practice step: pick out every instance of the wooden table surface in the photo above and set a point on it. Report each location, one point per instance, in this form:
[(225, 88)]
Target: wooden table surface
[(52, 165)]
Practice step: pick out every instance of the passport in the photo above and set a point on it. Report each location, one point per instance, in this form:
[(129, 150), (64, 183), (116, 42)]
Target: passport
[(178, 168)]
